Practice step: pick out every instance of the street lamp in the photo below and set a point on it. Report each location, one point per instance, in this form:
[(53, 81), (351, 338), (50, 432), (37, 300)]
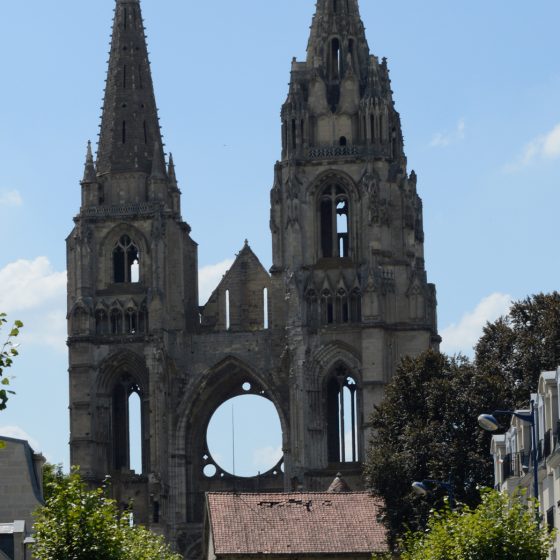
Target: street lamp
[(422, 488), (489, 423)]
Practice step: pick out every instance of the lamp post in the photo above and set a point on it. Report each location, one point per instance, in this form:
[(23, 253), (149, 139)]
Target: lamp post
[(489, 423), (422, 488)]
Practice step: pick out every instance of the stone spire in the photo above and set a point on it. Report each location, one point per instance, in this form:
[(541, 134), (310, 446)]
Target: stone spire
[(338, 40), (171, 171), (129, 124), (89, 168)]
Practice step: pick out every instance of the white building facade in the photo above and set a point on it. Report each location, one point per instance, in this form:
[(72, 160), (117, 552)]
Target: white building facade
[(513, 464)]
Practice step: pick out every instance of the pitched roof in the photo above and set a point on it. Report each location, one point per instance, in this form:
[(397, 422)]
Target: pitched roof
[(296, 523)]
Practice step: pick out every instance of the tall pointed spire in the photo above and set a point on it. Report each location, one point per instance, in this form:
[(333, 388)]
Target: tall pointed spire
[(129, 124), (338, 39), (89, 168)]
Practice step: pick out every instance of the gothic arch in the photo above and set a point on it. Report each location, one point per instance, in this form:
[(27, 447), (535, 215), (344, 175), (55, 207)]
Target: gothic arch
[(326, 358), (122, 375), (107, 243), (80, 318), (330, 176), (336, 371), (336, 216), (123, 361), (110, 241), (216, 385)]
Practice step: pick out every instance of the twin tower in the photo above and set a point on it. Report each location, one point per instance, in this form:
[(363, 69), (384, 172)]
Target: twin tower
[(319, 335)]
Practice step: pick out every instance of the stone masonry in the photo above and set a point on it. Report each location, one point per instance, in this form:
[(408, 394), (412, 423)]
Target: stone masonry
[(346, 298)]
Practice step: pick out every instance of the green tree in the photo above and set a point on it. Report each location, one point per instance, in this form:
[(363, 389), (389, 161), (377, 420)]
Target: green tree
[(426, 428), (8, 351), (515, 349), (502, 527), (77, 523)]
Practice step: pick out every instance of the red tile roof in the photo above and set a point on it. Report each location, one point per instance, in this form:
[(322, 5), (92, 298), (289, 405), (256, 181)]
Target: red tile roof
[(296, 523)]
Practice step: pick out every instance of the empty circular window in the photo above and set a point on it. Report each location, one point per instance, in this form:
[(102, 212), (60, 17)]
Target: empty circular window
[(244, 436)]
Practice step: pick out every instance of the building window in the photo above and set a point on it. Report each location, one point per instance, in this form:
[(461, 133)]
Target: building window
[(127, 427), (116, 321), (101, 322), (356, 306), (126, 261), (550, 519), (327, 308), (334, 222), (342, 418)]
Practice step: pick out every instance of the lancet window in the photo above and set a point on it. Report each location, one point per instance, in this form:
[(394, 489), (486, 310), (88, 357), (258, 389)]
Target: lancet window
[(126, 261), (334, 215), (342, 418), (128, 426)]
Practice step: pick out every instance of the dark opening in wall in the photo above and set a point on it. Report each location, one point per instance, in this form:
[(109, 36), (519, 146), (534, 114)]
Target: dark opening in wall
[(334, 222), (342, 141), (101, 322), (124, 132), (116, 321), (336, 70), (126, 261), (327, 308), (126, 429), (342, 418)]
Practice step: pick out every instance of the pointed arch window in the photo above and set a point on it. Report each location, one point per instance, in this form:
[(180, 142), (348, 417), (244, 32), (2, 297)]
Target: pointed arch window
[(116, 321), (334, 222), (312, 308), (342, 418), (126, 261), (327, 308), (356, 306), (336, 60), (128, 411), (101, 322), (342, 307)]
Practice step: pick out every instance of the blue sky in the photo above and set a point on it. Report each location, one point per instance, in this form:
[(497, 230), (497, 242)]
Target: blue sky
[(477, 85)]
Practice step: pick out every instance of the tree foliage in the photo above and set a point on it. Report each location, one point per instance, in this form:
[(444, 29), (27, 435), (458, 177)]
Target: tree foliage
[(426, 428), (77, 523), (8, 351), (515, 349), (502, 527)]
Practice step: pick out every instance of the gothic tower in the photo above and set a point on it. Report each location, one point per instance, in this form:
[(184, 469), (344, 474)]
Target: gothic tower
[(347, 235), (132, 278), (319, 337)]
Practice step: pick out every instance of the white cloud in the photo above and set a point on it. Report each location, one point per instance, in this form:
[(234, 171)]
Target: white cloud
[(33, 292), (18, 433), (265, 458), (29, 284), (546, 146), (49, 329), (462, 337), (210, 276), (444, 139), (10, 198)]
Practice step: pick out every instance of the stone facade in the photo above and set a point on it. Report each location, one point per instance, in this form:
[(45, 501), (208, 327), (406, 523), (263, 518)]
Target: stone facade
[(346, 298)]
